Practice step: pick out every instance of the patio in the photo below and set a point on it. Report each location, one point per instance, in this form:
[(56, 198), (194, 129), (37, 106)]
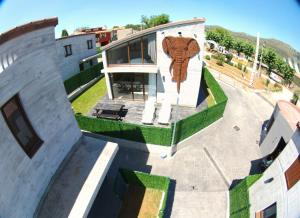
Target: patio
[(132, 111)]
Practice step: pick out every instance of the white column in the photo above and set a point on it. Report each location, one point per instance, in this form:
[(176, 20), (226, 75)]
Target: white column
[(152, 86), (254, 62)]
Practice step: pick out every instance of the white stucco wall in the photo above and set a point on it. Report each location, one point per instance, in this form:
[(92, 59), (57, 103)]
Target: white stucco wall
[(168, 89), (35, 75), (190, 87), (70, 65), (280, 128), (263, 194)]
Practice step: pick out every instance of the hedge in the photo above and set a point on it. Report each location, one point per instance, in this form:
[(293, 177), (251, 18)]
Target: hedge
[(123, 130), (239, 197), (194, 123), (82, 78), (148, 181), (156, 135)]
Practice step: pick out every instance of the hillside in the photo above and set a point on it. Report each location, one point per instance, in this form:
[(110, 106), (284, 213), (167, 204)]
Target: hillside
[(282, 48)]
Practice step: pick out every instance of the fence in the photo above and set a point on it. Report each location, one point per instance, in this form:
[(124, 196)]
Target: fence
[(157, 135), (83, 77)]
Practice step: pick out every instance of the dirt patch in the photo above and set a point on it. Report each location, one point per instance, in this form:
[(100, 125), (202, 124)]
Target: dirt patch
[(141, 202)]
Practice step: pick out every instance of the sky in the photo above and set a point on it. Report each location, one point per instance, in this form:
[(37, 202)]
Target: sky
[(278, 19)]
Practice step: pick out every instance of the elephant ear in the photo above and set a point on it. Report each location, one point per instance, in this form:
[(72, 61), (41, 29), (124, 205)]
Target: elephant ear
[(166, 44), (193, 48)]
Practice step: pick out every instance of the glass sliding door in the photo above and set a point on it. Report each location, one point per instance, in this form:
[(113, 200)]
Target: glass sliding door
[(133, 86)]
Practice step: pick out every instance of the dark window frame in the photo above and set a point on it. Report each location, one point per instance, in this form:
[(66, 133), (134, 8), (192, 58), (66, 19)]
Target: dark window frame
[(90, 44), (128, 52), (68, 52), (33, 148)]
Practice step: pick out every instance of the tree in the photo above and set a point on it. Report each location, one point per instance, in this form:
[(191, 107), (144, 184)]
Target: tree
[(133, 26), (248, 49), (221, 36), (238, 45), (270, 58), (154, 20), (64, 33)]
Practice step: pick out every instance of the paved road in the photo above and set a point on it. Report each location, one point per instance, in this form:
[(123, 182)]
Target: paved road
[(206, 164)]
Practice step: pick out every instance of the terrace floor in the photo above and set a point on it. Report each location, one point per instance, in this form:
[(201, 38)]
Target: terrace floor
[(133, 110)]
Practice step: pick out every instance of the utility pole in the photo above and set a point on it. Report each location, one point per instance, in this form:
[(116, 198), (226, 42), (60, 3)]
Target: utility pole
[(254, 62), (261, 57)]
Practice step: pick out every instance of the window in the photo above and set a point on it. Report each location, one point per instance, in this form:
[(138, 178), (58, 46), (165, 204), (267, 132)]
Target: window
[(135, 52), (138, 51), (68, 50), (270, 123), (118, 54), (90, 44), (103, 35), (292, 174), (20, 126), (269, 212), (149, 49)]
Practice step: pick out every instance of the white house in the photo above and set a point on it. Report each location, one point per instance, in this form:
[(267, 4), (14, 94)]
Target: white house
[(40, 142), (76, 53), (276, 193), (137, 68)]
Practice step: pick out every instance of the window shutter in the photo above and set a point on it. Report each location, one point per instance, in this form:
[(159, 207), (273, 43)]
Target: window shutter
[(292, 174)]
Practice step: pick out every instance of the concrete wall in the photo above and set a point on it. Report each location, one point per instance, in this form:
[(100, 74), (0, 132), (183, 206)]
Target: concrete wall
[(70, 65), (190, 88), (264, 194), (280, 128), (35, 75)]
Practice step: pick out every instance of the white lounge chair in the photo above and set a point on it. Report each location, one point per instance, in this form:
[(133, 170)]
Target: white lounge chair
[(149, 112), (165, 113)]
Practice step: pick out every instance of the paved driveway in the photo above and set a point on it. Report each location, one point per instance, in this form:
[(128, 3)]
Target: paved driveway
[(206, 164)]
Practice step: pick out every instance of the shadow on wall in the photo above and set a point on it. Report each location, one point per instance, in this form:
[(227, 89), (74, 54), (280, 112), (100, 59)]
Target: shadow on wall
[(160, 84), (107, 203), (170, 199), (263, 132)]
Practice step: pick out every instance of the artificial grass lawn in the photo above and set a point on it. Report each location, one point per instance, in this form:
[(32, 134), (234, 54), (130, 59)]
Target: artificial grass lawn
[(87, 100), (141, 202), (239, 197)]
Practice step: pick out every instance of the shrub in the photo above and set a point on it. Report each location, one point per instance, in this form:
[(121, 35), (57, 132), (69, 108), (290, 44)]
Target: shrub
[(267, 82), (230, 63), (228, 57), (220, 59), (82, 78), (239, 66), (207, 57), (295, 97)]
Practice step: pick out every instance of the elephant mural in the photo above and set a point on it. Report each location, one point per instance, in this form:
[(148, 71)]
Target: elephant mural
[(180, 49)]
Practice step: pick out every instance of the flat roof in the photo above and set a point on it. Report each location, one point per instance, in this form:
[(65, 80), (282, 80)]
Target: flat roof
[(76, 184), (26, 28), (152, 30), (290, 112)]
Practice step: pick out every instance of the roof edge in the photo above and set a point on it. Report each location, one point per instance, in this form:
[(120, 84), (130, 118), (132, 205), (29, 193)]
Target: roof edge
[(75, 35), (26, 28), (151, 30)]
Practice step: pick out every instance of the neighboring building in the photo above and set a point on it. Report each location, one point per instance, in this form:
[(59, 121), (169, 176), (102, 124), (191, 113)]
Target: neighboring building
[(76, 53), (103, 36), (121, 32), (137, 68), (276, 193), (39, 134)]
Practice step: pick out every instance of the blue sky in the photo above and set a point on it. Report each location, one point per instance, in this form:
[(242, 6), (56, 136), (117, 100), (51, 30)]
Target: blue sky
[(272, 18)]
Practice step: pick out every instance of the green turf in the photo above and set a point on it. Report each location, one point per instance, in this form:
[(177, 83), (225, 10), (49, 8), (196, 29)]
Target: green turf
[(86, 101)]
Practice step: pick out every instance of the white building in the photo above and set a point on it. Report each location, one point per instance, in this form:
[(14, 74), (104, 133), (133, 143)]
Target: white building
[(41, 146), (276, 193), (76, 53), (137, 68)]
